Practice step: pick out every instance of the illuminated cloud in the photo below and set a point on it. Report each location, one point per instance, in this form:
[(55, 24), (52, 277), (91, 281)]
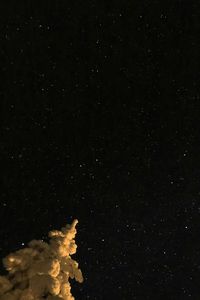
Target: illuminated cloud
[(42, 270)]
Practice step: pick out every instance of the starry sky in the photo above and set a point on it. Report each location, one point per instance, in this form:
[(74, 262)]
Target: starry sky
[(100, 121)]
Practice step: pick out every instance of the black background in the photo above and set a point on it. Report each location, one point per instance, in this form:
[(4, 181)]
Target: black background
[(100, 121)]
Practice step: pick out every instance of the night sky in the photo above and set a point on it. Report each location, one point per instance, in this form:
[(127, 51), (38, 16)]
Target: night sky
[(100, 121)]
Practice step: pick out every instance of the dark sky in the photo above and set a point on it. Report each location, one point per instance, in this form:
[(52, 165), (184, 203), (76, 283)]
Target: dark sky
[(100, 115)]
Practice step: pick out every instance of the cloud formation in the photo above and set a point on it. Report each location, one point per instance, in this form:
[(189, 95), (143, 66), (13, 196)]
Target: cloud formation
[(42, 270)]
